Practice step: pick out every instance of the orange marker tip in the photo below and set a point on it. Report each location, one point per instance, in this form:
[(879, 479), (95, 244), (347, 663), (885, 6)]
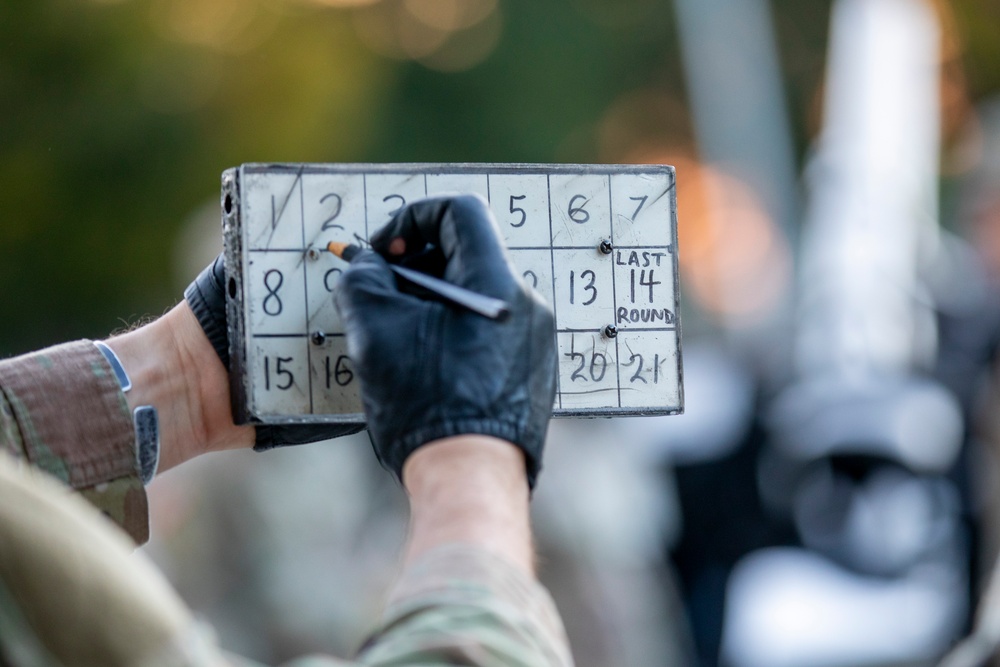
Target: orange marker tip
[(337, 248)]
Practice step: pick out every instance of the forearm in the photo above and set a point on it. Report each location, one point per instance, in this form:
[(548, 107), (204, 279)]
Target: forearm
[(468, 595), (62, 410), (471, 490)]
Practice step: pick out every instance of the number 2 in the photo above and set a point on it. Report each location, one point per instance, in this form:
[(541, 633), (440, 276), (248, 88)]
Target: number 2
[(328, 223)]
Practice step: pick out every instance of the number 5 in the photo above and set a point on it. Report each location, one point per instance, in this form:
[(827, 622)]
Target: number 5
[(515, 209)]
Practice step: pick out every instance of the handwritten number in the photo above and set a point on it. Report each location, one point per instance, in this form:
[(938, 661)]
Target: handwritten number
[(515, 209), (272, 302), (339, 204), (578, 214), (650, 283), (532, 277), (588, 286), (639, 375), (402, 203), (638, 371), (577, 375), (274, 214), (598, 364), (643, 282), (642, 202), (341, 373), (326, 278), (593, 364), (279, 370)]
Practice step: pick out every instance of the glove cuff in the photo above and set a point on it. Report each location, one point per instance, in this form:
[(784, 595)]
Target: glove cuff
[(511, 432), (207, 298), (269, 436)]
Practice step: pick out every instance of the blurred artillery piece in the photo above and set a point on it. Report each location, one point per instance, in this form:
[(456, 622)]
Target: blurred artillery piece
[(848, 535)]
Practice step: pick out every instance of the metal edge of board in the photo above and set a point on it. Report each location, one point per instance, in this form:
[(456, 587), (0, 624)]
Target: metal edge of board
[(451, 168), (677, 291), (232, 228)]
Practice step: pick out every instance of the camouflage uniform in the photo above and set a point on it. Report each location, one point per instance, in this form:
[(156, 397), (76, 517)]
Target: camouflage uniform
[(73, 593)]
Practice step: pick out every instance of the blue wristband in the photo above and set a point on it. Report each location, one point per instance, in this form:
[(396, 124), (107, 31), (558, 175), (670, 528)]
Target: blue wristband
[(145, 421)]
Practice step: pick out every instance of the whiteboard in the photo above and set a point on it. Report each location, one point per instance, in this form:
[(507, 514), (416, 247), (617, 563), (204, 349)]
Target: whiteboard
[(597, 242)]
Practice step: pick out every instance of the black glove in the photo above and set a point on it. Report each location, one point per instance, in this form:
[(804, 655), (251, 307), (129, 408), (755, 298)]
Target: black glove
[(207, 298), (430, 369)]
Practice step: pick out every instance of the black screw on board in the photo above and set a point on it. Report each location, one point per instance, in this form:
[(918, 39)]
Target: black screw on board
[(606, 247), (318, 337), (611, 331)]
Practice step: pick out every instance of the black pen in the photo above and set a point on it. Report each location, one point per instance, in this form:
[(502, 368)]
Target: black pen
[(487, 306)]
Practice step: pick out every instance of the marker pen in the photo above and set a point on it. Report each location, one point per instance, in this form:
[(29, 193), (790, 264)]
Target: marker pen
[(487, 306)]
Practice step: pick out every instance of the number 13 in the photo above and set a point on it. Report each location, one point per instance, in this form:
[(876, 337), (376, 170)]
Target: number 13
[(589, 286)]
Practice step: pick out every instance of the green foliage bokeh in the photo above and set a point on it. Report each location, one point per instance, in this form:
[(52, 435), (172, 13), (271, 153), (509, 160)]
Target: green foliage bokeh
[(116, 123)]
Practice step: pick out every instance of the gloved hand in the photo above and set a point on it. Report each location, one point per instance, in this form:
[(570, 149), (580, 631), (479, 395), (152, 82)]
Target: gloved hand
[(207, 298), (431, 370)]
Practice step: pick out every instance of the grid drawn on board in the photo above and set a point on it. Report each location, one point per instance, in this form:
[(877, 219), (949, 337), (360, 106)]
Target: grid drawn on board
[(554, 219)]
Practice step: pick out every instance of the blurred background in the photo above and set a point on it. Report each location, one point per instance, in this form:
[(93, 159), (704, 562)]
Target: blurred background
[(830, 497)]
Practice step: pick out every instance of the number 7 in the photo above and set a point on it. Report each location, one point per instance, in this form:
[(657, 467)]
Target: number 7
[(642, 202)]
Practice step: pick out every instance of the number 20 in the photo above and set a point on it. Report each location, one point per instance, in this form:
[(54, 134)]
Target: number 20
[(598, 365)]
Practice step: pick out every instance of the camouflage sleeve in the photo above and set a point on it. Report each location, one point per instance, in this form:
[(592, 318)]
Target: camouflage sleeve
[(62, 410), (459, 605)]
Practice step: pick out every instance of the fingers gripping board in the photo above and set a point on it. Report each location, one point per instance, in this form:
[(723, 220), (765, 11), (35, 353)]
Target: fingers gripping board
[(597, 242)]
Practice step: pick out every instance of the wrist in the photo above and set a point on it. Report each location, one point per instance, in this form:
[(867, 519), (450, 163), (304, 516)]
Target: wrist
[(470, 489), (174, 368)]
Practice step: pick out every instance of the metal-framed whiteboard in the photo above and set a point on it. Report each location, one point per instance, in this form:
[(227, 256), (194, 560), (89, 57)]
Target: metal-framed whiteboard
[(598, 242)]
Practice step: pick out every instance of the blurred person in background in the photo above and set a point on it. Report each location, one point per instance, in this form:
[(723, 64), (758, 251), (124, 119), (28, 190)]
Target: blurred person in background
[(70, 591)]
